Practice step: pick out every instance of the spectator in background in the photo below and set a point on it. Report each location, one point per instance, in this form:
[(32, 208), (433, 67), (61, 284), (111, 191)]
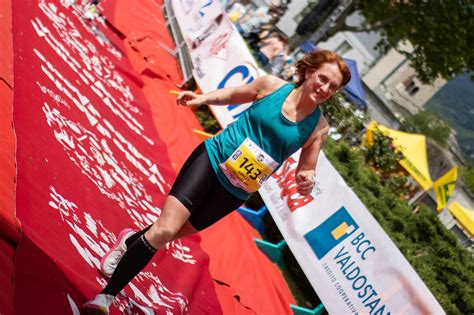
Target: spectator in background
[(273, 53), (238, 10), (253, 21), (289, 70), (278, 8), (258, 28)]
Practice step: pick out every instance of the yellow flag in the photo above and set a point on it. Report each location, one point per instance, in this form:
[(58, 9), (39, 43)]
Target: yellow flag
[(444, 187)]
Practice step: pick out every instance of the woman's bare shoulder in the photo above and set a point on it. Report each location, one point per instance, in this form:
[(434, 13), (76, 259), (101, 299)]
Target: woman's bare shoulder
[(268, 84)]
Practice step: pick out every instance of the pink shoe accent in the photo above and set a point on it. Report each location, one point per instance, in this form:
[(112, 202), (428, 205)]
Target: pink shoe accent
[(110, 260)]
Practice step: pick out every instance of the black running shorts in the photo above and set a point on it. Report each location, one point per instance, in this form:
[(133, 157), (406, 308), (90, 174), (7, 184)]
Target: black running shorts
[(199, 190)]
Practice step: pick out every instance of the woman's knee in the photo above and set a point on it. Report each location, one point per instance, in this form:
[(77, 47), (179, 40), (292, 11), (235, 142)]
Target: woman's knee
[(160, 235)]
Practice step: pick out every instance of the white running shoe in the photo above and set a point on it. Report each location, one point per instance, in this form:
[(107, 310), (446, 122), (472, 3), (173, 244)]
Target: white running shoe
[(109, 262), (99, 305)]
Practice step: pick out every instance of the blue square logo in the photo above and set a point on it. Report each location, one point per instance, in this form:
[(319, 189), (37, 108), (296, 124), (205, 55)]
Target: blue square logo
[(331, 232)]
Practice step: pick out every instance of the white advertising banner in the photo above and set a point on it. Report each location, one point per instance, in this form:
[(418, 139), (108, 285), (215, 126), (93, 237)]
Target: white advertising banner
[(353, 265), (219, 54), (350, 261)]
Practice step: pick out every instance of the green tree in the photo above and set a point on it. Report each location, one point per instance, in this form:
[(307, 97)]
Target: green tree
[(430, 125), (467, 176), (440, 32), (344, 116), (382, 153)]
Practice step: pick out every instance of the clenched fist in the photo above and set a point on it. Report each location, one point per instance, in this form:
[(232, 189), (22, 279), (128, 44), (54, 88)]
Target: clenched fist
[(305, 181), (187, 98)]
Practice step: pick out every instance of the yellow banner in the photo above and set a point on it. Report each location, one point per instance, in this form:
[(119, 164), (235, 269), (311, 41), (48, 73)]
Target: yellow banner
[(464, 215), (444, 187), (419, 177)]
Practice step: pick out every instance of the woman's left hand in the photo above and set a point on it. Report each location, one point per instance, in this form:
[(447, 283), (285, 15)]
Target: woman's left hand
[(189, 98), (305, 181)]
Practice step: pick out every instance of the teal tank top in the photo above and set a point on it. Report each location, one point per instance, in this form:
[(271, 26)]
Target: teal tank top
[(266, 126)]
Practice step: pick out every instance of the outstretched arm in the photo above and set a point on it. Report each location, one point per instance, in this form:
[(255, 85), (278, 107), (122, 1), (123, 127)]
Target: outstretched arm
[(306, 169), (236, 95)]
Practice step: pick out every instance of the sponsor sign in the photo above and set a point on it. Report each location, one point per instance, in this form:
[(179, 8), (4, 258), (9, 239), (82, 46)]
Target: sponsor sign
[(352, 264)]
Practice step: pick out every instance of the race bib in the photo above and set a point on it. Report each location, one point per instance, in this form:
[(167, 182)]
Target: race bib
[(248, 167)]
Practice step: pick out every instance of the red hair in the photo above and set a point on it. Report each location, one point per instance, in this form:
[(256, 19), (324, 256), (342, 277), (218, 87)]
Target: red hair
[(314, 60)]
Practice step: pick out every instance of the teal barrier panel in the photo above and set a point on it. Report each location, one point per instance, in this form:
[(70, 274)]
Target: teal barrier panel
[(298, 310), (272, 251), (254, 218)]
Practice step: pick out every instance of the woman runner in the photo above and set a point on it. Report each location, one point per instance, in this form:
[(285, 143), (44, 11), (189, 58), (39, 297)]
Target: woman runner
[(226, 169)]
